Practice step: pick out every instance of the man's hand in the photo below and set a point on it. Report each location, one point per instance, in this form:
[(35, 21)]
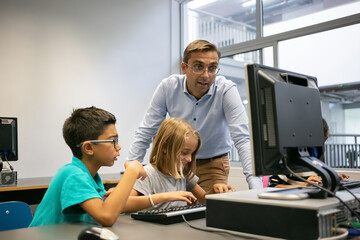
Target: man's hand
[(222, 188), (343, 176)]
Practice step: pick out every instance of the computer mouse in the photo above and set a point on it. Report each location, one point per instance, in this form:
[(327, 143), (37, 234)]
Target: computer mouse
[(97, 233)]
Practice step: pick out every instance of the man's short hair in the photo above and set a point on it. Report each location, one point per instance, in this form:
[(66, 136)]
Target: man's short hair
[(85, 124), (199, 46)]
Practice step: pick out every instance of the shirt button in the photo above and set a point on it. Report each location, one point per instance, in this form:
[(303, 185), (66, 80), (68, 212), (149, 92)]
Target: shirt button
[(194, 119)]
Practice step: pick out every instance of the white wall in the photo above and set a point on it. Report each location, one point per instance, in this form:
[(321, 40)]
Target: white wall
[(60, 55)]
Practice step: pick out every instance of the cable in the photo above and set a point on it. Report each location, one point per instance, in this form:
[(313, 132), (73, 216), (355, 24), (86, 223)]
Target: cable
[(344, 232), (1, 163), (11, 167), (215, 231), (325, 190), (349, 191)]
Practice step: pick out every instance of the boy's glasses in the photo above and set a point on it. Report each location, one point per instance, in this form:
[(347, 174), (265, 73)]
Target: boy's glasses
[(115, 142), (200, 69)]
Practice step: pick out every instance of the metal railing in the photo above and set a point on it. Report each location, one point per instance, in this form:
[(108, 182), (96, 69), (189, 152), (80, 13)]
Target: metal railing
[(218, 30), (341, 153), (338, 153)]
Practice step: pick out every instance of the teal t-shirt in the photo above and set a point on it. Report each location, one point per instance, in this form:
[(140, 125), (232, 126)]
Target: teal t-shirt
[(71, 185)]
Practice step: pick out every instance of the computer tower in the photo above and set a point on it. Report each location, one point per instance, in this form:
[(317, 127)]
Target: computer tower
[(244, 212)]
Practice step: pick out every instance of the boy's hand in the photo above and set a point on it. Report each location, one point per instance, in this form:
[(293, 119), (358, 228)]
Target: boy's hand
[(222, 188), (138, 166)]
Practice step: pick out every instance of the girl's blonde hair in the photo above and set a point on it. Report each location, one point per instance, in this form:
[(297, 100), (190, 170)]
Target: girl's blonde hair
[(167, 145)]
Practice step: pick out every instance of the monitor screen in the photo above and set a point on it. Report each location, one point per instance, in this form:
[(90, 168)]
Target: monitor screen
[(8, 139), (285, 121)]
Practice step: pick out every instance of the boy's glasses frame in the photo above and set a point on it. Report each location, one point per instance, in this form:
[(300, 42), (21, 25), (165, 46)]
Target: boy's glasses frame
[(115, 141)]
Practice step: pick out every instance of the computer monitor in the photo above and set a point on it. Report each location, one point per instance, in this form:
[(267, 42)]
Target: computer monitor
[(8, 139), (285, 123)]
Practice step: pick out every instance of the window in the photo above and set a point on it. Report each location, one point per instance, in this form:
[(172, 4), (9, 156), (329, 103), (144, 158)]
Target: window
[(218, 22), (331, 56), (315, 37), (282, 16), (228, 22)]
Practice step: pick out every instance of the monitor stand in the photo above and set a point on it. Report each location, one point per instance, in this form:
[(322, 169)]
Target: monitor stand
[(330, 181)]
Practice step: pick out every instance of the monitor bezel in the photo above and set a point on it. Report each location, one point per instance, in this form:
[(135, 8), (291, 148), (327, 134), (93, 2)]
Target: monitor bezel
[(14, 137), (256, 135)]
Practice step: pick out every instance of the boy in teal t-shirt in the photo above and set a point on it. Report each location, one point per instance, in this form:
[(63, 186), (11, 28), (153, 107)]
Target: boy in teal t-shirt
[(75, 192)]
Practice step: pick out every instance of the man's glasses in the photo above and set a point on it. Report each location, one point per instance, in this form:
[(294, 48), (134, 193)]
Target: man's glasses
[(200, 69), (115, 142)]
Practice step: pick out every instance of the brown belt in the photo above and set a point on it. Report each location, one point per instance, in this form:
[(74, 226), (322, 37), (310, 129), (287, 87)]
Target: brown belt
[(209, 159)]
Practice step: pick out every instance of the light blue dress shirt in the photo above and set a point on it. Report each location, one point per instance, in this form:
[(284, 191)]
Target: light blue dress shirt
[(219, 116)]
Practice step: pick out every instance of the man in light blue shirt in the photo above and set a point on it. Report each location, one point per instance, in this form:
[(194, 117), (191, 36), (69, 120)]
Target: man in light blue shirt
[(212, 105)]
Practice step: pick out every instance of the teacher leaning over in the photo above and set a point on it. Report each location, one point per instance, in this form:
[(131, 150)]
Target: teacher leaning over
[(212, 105)]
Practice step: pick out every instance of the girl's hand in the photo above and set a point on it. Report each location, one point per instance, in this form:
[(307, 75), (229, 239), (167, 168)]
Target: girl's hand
[(180, 196), (314, 179), (222, 188)]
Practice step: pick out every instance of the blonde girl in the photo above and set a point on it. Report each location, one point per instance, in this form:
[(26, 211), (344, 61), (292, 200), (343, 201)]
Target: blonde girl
[(170, 178)]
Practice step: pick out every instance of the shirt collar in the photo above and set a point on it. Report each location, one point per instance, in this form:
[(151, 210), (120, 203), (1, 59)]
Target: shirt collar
[(209, 93), (78, 163)]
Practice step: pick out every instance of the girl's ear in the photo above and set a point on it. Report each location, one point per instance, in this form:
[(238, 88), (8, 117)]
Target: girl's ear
[(164, 148), (88, 148)]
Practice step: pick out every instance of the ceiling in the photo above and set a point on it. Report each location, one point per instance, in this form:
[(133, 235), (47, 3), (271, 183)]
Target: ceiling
[(342, 93)]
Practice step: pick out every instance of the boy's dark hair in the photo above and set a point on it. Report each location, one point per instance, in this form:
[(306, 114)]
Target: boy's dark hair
[(199, 46), (85, 124)]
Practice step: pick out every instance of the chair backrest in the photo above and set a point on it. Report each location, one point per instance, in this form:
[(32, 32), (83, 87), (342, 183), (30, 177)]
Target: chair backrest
[(14, 215)]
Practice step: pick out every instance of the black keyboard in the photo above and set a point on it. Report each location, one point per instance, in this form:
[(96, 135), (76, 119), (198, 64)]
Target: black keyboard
[(171, 215), (349, 184)]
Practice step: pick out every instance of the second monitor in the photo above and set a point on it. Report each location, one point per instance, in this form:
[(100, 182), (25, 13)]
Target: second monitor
[(286, 123)]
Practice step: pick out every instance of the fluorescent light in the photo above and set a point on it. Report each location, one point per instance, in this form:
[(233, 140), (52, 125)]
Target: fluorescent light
[(249, 3), (199, 3)]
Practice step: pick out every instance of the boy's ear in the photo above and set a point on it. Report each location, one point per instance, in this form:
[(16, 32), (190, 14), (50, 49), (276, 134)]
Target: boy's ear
[(87, 148)]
